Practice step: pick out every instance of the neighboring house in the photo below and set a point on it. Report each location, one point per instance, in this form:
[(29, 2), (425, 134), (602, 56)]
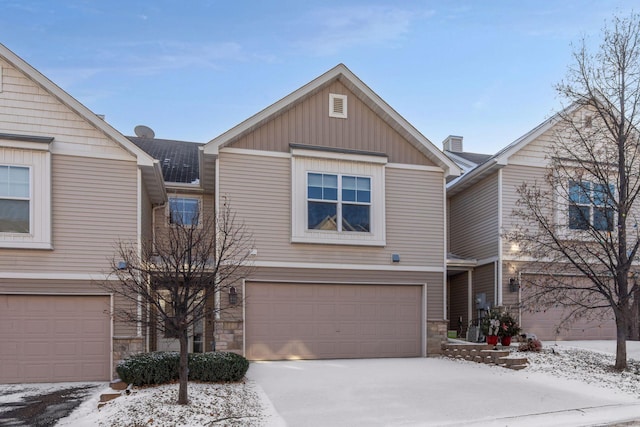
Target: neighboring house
[(346, 203), (71, 186), (484, 268)]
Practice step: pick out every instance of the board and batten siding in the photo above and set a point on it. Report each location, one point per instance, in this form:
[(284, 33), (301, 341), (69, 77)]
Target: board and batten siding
[(308, 122), (434, 281), (474, 220), (94, 205), (414, 214)]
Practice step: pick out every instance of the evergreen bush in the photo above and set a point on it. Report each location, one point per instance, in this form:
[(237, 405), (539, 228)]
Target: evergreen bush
[(162, 367)]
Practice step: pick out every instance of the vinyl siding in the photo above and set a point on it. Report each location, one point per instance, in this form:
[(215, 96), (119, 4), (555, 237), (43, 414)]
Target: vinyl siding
[(484, 281), (161, 215), (458, 303), (474, 220), (513, 176), (535, 152), (146, 216), (414, 214), (28, 109), (434, 281), (94, 204), (308, 122)]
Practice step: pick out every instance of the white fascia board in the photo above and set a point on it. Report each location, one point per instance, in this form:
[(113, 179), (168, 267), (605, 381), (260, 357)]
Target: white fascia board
[(339, 72), (213, 146)]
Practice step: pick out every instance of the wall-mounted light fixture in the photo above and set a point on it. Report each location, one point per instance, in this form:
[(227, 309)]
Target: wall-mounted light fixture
[(233, 296), (513, 285), (122, 265), (395, 257)]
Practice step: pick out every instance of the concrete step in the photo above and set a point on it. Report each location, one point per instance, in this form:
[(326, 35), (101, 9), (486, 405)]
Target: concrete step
[(105, 397), (516, 367), (118, 385)]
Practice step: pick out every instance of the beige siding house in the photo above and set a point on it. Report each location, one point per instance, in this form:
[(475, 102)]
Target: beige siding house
[(484, 268), (70, 187), (346, 203)]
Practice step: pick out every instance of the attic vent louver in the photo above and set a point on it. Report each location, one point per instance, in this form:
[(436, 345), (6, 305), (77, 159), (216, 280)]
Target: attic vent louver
[(338, 106)]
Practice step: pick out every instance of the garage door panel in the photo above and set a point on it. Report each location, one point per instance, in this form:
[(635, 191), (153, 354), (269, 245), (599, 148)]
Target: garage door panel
[(55, 338), (333, 321), (326, 310), (547, 326)]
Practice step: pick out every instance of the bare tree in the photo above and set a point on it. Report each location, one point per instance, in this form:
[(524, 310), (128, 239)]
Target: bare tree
[(581, 221), (174, 275)]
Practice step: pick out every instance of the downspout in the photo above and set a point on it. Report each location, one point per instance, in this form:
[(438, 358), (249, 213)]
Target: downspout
[(499, 262), (217, 211), (139, 241), (153, 243), (446, 248)]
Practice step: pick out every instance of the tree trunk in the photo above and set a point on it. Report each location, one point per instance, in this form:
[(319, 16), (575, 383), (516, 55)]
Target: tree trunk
[(183, 370), (622, 317), (634, 326)]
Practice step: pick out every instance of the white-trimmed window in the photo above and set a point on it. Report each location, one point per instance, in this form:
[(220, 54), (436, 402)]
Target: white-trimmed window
[(184, 210), (590, 206), (15, 199), (338, 202), (25, 192), (337, 198)]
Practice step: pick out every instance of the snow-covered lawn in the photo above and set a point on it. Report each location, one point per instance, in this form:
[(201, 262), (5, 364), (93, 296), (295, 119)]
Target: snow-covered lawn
[(575, 364)]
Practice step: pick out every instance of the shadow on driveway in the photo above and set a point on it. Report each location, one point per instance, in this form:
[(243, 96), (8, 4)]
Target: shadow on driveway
[(40, 409)]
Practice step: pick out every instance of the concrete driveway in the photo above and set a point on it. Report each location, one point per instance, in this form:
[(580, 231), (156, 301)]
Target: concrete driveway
[(432, 391), (41, 405)]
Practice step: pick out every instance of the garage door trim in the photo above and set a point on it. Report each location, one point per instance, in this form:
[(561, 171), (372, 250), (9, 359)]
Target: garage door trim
[(77, 294), (422, 285)]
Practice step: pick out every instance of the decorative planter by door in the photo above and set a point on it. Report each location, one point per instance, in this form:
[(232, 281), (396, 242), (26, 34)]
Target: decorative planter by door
[(492, 339), (505, 340)]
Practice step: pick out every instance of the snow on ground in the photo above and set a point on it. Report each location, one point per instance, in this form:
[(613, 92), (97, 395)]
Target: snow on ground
[(14, 393), (237, 404), (576, 365)]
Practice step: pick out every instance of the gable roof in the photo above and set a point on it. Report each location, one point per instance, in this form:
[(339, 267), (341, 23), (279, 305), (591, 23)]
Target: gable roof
[(501, 158), (363, 92), (150, 167), (474, 158), (179, 159)]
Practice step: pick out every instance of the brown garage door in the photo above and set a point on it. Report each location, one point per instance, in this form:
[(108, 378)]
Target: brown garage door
[(319, 321), (54, 338), (546, 326)]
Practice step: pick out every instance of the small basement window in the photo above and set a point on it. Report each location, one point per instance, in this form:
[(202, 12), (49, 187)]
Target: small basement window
[(338, 106)]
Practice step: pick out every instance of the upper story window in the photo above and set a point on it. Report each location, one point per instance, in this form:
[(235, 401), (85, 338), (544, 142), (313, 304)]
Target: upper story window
[(25, 192), (15, 199), (337, 197), (184, 210), (590, 206), (338, 202)]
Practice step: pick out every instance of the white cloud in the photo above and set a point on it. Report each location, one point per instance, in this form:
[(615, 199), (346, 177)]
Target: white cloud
[(342, 28)]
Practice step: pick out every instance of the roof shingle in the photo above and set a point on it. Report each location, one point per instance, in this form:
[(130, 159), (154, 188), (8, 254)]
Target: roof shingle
[(179, 159)]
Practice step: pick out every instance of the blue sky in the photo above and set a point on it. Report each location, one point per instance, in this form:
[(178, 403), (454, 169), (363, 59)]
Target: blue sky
[(191, 70)]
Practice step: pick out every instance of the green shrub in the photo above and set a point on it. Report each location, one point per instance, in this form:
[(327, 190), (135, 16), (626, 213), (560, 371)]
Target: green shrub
[(217, 367), (149, 368), (162, 367)]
